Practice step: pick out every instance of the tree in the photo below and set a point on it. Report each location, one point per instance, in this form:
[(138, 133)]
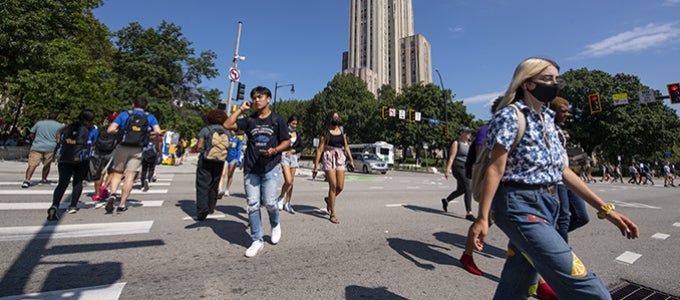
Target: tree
[(55, 56), (160, 65), (633, 130)]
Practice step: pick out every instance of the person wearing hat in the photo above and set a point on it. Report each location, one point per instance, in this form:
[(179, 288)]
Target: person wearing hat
[(456, 165)]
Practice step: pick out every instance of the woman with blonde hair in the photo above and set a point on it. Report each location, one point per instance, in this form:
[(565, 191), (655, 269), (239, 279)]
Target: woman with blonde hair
[(335, 150), (520, 190)]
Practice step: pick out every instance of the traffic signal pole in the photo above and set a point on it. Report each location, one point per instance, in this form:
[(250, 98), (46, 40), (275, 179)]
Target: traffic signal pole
[(234, 65)]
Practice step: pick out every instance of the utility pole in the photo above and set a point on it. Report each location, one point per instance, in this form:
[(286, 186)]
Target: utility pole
[(234, 65)]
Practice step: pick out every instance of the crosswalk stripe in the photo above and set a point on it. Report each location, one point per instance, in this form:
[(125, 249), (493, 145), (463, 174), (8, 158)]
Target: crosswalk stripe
[(22, 233), (100, 292), (65, 204), (68, 192)]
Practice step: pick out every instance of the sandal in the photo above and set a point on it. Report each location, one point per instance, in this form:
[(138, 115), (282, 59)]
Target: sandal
[(333, 220)]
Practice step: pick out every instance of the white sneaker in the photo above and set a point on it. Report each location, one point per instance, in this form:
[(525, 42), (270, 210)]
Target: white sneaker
[(279, 203), (226, 193), (254, 248), (276, 234)]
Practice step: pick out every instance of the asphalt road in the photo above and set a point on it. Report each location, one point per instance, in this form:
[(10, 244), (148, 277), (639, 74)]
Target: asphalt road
[(393, 242)]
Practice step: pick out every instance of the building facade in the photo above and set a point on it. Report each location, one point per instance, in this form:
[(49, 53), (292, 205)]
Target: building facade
[(383, 48)]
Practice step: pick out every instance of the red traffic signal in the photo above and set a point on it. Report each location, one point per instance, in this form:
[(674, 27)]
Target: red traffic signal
[(674, 92), (595, 103)]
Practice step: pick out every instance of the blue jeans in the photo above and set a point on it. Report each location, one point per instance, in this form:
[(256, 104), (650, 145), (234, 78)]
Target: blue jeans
[(573, 213), (528, 218), (261, 189)]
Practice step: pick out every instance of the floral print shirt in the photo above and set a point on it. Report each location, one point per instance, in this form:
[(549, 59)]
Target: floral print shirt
[(537, 158)]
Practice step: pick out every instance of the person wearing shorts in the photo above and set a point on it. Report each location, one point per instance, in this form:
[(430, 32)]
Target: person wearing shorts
[(44, 135), (333, 146), (289, 164), (127, 159), (232, 161)]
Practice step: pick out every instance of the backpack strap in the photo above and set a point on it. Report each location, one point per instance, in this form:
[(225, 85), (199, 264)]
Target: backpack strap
[(521, 125)]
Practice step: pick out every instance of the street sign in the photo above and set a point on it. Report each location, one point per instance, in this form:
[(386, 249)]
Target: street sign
[(393, 112), (620, 98), (402, 114), (417, 118), (234, 74), (433, 121), (647, 96)]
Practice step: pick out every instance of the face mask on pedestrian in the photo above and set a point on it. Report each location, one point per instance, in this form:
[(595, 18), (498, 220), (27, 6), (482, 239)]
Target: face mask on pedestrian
[(544, 92), (336, 122), (291, 128)]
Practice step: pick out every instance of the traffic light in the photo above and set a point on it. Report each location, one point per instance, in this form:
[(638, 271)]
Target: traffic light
[(595, 104), (674, 92), (240, 91), (384, 115), (411, 115), (233, 108)]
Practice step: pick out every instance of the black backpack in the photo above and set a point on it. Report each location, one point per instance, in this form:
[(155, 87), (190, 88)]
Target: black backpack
[(73, 144), (149, 152), (470, 160), (216, 147), (136, 129), (106, 142)]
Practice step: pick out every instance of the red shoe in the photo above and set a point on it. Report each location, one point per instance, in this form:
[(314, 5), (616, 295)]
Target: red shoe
[(103, 192), (469, 264), (545, 292), (95, 197)]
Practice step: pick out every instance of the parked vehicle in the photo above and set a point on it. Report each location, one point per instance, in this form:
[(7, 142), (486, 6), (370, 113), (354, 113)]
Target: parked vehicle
[(368, 163)]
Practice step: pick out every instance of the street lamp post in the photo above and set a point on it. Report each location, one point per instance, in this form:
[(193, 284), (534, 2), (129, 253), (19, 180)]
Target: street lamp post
[(277, 86), (446, 106), (446, 110)]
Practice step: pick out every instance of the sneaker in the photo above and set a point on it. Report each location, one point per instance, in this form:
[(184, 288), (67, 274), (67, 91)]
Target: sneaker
[(26, 184), (201, 216), (145, 185), (72, 210), (52, 214), (153, 179), (279, 203), (254, 248), (103, 192), (470, 218), (100, 204), (44, 181), (121, 209), (226, 193), (445, 205), (276, 234), (220, 195), (289, 208), (109, 204)]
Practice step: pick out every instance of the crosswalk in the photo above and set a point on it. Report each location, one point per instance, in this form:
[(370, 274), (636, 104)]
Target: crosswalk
[(13, 199)]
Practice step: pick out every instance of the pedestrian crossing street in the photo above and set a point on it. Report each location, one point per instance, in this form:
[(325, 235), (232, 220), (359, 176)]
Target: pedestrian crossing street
[(11, 196)]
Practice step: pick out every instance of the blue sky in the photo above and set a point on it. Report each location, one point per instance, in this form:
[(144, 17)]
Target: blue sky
[(475, 44)]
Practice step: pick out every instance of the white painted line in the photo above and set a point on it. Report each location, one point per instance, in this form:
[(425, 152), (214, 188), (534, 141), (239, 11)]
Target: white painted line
[(628, 257), (660, 236), (152, 184), (376, 188), (676, 224), (101, 292), (23, 233), (395, 205), (213, 216), (65, 204), (68, 192), (412, 187)]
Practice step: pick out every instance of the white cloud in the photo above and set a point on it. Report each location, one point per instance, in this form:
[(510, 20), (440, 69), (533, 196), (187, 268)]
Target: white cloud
[(458, 28), (671, 2), (483, 98), (651, 35)]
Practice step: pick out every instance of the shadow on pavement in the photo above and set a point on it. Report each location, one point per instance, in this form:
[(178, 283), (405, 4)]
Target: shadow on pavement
[(360, 292), (411, 250)]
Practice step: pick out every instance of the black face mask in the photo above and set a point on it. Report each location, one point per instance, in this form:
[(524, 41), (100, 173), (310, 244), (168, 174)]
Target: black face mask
[(336, 122), (544, 92)]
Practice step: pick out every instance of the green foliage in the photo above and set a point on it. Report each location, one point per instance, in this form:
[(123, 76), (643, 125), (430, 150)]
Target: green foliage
[(635, 130)]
